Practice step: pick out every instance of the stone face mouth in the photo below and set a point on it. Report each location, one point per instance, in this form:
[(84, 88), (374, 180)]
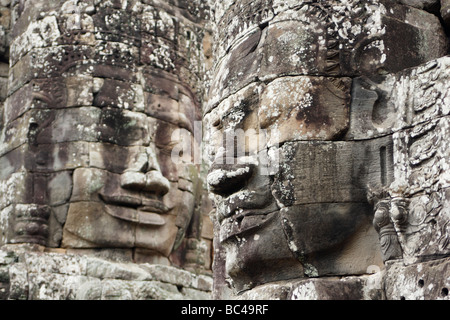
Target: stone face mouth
[(244, 211), (136, 216), (245, 201), (135, 209), (243, 222)]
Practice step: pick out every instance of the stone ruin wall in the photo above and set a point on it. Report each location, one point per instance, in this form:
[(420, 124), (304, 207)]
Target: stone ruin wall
[(79, 61)]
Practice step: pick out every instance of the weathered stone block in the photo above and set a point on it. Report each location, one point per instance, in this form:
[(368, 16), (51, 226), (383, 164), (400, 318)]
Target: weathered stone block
[(112, 157), (50, 62), (102, 269), (58, 276), (58, 156), (421, 281), (115, 60), (74, 124), (18, 132), (39, 34), (235, 21), (114, 25), (161, 83), (367, 287), (79, 91), (19, 285), (4, 283), (310, 108), (333, 172), (116, 94), (346, 227), (393, 104), (123, 127), (423, 234), (421, 155), (38, 94), (16, 189), (236, 70)]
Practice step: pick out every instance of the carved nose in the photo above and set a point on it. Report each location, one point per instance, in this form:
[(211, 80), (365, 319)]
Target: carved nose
[(144, 174), (229, 175), (152, 181)]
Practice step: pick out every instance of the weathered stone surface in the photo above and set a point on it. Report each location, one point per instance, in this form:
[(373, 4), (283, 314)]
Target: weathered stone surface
[(354, 164), (58, 276), (393, 104), (421, 281), (38, 94), (368, 287), (347, 40), (325, 135), (445, 11), (316, 107), (82, 91)]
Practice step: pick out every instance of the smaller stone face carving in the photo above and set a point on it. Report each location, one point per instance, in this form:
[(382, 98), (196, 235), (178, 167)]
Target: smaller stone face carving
[(123, 205), (99, 95)]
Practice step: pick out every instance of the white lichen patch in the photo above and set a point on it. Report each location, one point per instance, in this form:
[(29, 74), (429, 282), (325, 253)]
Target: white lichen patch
[(12, 189), (217, 177), (305, 291), (283, 98), (39, 34)]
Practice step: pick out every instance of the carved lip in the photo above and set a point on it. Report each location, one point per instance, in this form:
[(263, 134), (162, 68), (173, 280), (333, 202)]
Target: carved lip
[(246, 201), (143, 204), (136, 216), (135, 209), (243, 222), (244, 211)]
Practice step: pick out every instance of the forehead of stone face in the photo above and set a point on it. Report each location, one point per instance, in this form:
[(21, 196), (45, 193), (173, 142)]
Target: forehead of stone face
[(182, 112), (305, 108), (348, 38), (124, 127), (234, 120), (286, 109)]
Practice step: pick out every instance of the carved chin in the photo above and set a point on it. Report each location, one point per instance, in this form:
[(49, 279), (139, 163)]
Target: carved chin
[(97, 225)]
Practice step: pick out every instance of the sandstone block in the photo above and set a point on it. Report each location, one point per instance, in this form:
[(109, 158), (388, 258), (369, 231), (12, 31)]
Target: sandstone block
[(421, 281)]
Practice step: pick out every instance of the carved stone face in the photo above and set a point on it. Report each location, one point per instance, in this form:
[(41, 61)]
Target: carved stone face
[(129, 196), (95, 106), (291, 199), (289, 208)]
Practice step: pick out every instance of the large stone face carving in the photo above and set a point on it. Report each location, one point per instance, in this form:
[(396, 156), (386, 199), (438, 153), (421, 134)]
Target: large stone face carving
[(325, 127), (292, 161), (99, 94)]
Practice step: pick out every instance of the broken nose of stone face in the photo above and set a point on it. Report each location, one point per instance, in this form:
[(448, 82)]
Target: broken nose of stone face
[(152, 181)]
